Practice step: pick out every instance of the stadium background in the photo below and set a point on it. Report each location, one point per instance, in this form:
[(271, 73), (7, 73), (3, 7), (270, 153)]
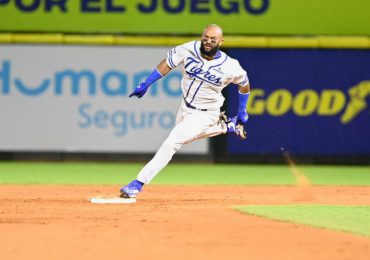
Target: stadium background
[(67, 67)]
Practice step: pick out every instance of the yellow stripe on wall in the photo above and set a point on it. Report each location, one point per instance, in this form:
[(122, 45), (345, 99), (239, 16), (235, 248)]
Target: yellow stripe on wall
[(327, 42)]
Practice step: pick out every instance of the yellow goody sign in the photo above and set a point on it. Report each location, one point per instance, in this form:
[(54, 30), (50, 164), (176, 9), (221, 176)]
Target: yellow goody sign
[(272, 17), (327, 102)]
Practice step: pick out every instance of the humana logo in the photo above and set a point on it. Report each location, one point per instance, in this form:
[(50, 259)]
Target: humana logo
[(75, 83)]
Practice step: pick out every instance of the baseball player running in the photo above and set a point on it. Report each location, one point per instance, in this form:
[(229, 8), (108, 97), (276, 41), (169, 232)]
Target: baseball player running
[(206, 71)]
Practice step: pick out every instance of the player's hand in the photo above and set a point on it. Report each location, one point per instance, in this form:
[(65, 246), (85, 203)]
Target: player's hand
[(242, 118), (140, 90)]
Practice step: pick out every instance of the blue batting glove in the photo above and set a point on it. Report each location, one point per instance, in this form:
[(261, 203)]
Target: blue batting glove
[(140, 90), (242, 118)]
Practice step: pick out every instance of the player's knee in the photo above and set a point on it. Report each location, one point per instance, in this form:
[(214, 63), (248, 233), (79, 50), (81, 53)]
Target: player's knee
[(171, 144)]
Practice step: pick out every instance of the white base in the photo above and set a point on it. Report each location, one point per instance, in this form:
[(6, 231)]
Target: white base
[(112, 200)]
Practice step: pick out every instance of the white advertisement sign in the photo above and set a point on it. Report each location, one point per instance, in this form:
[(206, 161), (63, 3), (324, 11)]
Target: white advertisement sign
[(75, 99)]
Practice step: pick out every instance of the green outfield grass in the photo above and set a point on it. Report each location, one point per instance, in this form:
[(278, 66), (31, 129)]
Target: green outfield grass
[(353, 219), (183, 174)]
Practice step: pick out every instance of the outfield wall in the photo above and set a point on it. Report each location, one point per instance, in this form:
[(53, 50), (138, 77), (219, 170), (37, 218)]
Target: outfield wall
[(75, 99), (60, 101), (66, 68), (184, 17), (310, 103)]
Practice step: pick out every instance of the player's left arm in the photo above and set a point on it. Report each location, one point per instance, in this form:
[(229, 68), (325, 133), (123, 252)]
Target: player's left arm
[(244, 89), (242, 80), (244, 92)]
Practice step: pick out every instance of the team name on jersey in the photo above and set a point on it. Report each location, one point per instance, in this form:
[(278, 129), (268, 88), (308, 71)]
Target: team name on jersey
[(193, 70)]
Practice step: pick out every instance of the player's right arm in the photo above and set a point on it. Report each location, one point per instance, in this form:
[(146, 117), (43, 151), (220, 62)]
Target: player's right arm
[(163, 68), (174, 58), (160, 71)]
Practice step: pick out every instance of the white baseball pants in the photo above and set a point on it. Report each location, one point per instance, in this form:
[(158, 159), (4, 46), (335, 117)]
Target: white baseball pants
[(191, 125)]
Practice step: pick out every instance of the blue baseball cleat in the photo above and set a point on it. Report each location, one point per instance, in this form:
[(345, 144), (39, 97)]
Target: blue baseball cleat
[(233, 128), (131, 189)]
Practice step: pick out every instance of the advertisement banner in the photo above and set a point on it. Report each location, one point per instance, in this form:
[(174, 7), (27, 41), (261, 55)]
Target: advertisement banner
[(75, 99), (307, 102), (272, 17)]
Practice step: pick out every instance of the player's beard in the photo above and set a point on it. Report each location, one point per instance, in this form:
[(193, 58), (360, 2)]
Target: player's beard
[(212, 52)]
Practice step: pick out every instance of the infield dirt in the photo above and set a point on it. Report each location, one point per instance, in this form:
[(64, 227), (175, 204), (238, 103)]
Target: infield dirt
[(169, 222)]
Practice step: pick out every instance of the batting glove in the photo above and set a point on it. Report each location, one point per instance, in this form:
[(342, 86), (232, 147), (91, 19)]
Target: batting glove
[(242, 118), (140, 90)]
